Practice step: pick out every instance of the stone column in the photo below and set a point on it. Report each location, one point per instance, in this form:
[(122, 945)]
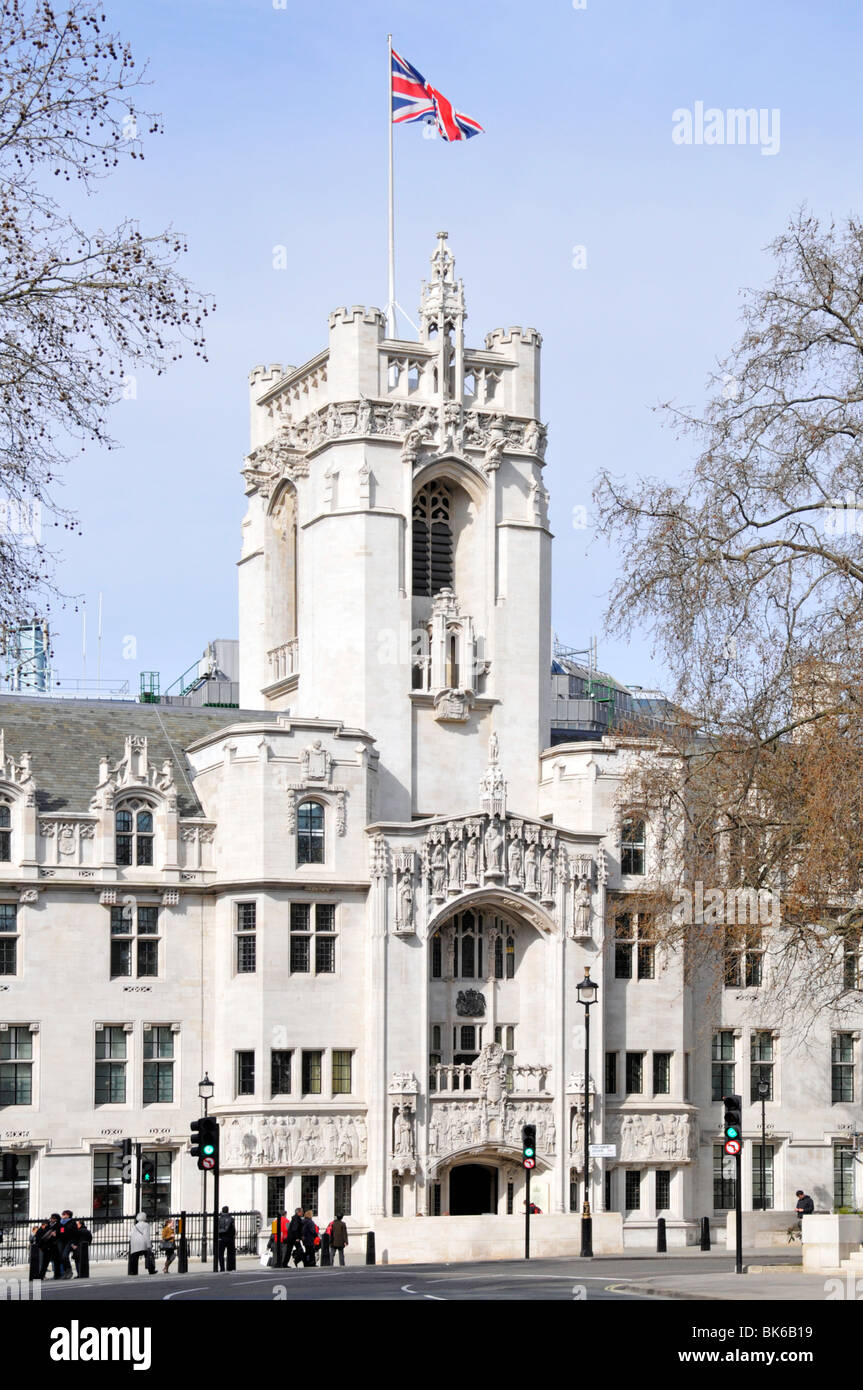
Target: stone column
[(376, 1050)]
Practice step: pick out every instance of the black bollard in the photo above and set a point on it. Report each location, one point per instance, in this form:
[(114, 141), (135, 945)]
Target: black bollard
[(370, 1247), (661, 1247), (83, 1260), (35, 1262), (325, 1250), (132, 1267), (705, 1232), (183, 1247)]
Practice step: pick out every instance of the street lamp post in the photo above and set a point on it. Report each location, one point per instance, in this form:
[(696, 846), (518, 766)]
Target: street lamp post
[(205, 1091), (763, 1092), (587, 993)]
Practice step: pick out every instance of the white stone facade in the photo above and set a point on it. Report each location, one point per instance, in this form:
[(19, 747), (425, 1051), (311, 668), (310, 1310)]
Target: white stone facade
[(376, 887)]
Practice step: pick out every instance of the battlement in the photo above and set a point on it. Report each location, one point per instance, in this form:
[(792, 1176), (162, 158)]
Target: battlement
[(498, 336), (356, 314), (265, 376)]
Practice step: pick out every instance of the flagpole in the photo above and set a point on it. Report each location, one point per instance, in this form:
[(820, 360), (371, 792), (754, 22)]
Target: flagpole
[(391, 263)]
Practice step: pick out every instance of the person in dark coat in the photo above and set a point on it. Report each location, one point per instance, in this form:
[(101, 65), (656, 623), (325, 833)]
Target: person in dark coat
[(805, 1205), (227, 1238), (338, 1238), (310, 1235), (81, 1248), (65, 1241), (37, 1254), (50, 1243), (294, 1244)]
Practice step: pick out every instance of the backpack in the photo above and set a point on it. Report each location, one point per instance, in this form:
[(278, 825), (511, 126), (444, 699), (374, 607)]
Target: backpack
[(226, 1224)]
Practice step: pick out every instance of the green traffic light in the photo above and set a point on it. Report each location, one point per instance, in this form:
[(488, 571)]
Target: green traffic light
[(528, 1153), (732, 1132), (208, 1149)]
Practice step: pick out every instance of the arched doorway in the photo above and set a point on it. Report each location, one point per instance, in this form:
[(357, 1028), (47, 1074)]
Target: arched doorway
[(472, 1190)]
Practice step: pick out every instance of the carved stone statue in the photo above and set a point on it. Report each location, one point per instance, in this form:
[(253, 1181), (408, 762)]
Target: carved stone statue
[(438, 871), (531, 864), (493, 846), (547, 875), (454, 859), (365, 417), (515, 861), (471, 856), (406, 901), (404, 1143), (581, 909)]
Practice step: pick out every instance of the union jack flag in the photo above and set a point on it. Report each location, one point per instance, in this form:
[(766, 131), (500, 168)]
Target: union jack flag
[(414, 99)]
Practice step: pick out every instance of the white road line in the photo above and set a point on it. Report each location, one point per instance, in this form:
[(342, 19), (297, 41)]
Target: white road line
[(177, 1294), (406, 1288)]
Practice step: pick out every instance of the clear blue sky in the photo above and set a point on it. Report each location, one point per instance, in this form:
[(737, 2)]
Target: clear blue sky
[(276, 135)]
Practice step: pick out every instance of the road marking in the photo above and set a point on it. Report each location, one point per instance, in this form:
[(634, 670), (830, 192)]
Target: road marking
[(406, 1288), (177, 1294)]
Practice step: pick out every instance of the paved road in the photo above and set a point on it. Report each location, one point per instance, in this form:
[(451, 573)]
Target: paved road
[(543, 1280)]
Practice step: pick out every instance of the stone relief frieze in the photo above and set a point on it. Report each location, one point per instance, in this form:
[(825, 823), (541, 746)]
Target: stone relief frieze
[(465, 1124), (295, 1141), (663, 1136), (447, 428)]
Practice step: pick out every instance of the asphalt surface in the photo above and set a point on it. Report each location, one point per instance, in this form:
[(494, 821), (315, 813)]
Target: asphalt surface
[(557, 1280)]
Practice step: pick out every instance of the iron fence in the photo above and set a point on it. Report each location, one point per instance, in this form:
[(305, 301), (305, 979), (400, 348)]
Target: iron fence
[(111, 1235)]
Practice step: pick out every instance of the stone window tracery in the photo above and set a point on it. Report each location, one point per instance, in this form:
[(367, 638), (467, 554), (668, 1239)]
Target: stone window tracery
[(432, 539), (133, 824)]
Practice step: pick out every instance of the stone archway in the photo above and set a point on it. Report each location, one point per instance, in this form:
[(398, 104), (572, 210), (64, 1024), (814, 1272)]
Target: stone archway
[(473, 1189)]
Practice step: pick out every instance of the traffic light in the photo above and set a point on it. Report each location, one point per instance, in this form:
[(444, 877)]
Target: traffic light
[(205, 1142), (148, 1171), (125, 1148), (733, 1124), (528, 1146), (9, 1167)]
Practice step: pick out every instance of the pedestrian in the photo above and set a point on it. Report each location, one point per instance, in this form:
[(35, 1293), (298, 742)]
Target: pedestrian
[(65, 1238), (82, 1236), (141, 1243), (50, 1245), (311, 1239), (281, 1248), (227, 1239), (338, 1238), (805, 1205), (168, 1242), (294, 1244), (36, 1251)]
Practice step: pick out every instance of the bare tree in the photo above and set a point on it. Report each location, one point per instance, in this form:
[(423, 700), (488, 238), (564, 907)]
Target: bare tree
[(749, 573), (78, 306)]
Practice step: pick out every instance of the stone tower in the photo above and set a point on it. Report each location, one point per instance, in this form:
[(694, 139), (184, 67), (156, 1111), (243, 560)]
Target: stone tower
[(395, 571)]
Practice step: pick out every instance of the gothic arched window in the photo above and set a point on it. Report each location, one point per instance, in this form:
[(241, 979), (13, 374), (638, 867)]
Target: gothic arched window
[(468, 946), (432, 540), (133, 825), (310, 833), (5, 832)]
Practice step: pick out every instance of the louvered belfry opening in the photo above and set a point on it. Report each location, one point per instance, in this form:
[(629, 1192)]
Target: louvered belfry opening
[(432, 540)]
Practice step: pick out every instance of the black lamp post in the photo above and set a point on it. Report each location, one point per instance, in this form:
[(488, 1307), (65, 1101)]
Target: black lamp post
[(587, 993), (205, 1091), (763, 1093)]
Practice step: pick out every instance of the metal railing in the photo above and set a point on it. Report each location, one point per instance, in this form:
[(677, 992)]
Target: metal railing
[(111, 1235)]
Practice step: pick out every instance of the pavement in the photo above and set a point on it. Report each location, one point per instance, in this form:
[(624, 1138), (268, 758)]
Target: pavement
[(687, 1274)]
